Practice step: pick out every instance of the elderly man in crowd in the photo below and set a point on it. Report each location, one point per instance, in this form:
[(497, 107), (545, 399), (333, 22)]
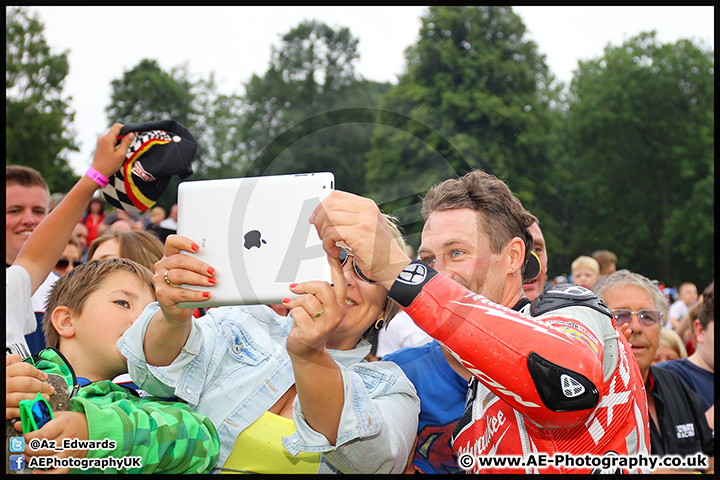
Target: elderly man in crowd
[(677, 417)]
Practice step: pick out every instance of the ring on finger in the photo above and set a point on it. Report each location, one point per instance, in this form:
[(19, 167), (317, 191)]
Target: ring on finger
[(167, 280), (318, 314)]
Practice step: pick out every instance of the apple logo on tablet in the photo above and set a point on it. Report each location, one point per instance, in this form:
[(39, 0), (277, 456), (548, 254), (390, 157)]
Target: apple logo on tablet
[(252, 239)]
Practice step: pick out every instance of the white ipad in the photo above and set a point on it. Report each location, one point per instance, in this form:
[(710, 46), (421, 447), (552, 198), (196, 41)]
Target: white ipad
[(255, 232)]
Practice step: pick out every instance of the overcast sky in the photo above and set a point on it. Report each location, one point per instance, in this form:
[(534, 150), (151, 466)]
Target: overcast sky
[(235, 42)]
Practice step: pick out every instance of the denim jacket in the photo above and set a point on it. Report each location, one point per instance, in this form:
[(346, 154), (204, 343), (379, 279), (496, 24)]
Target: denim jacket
[(234, 367)]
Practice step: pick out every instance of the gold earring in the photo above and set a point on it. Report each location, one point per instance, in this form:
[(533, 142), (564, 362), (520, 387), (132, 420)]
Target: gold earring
[(379, 323)]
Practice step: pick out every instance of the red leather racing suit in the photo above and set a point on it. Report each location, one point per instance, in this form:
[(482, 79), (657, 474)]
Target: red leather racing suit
[(564, 381)]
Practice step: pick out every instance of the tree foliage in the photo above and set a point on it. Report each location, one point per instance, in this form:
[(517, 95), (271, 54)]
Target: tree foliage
[(221, 153), (476, 79), (639, 131), (147, 93), (623, 160), (38, 118), (299, 115)]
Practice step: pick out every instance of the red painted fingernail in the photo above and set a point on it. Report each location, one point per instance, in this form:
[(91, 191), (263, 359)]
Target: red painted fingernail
[(293, 285), (286, 300), (212, 280), (206, 294), (195, 247), (211, 271)]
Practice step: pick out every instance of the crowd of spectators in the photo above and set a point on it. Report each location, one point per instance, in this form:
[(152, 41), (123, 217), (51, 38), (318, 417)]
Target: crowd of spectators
[(482, 353)]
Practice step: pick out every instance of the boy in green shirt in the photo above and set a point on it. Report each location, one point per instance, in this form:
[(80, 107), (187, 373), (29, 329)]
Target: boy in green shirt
[(87, 312)]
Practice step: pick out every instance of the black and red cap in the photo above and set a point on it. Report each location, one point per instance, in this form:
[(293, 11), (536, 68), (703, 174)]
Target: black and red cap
[(159, 150)]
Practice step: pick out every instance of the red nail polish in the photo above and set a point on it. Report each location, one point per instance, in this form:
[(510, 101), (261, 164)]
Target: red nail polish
[(195, 247), (293, 285), (206, 294), (212, 280), (286, 300), (211, 271)]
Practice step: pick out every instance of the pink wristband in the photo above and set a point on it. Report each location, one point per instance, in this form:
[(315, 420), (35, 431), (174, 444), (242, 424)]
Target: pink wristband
[(97, 177)]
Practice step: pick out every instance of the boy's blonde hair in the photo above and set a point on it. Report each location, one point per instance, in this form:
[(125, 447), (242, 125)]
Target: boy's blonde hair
[(72, 289), (583, 261)]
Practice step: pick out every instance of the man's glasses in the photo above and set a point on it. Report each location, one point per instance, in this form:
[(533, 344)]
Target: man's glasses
[(344, 254), (63, 263), (646, 317), (35, 413)]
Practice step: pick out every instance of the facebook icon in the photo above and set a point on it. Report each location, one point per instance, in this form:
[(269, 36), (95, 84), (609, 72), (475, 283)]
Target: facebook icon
[(17, 462)]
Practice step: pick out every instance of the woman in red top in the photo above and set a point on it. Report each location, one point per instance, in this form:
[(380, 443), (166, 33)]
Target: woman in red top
[(94, 216)]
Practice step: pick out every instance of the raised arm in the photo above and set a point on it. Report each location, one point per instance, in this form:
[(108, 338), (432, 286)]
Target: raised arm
[(360, 426), (43, 248), (170, 326), (317, 377), (550, 368)]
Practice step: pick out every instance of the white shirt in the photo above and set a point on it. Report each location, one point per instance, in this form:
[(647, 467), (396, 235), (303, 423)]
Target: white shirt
[(19, 317), (40, 296), (401, 332), (169, 223), (677, 310)]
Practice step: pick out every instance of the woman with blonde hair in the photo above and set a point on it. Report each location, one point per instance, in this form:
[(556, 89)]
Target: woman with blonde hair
[(671, 346), (140, 246)]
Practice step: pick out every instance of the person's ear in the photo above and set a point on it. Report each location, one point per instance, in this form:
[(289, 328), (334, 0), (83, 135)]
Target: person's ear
[(699, 331), (62, 320), (516, 251)]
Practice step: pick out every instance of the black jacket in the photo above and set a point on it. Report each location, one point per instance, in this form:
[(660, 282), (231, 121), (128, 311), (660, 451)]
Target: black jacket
[(684, 428)]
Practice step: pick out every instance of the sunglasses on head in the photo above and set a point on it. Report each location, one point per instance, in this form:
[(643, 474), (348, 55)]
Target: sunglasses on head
[(344, 254), (64, 262), (646, 317)]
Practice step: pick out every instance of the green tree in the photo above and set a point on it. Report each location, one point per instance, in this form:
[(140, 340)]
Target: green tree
[(640, 137), (38, 119), (147, 93), (299, 115), (221, 153), (477, 80)]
